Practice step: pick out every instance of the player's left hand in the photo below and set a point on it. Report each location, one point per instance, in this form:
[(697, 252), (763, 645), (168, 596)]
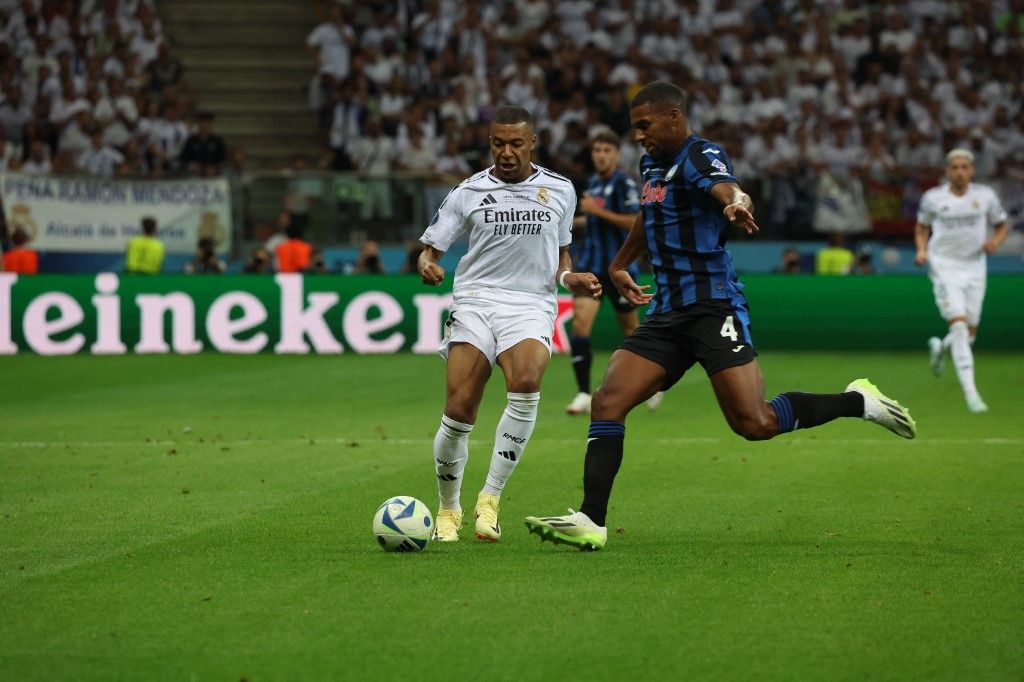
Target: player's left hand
[(630, 290), (583, 284), (588, 204), (740, 216), (991, 246)]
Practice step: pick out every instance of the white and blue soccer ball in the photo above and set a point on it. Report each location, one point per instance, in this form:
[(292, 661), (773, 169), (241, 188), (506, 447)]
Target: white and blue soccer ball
[(403, 524)]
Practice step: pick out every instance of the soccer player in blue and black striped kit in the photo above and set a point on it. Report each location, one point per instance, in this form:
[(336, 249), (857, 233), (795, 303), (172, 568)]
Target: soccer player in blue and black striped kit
[(609, 207), (698, 314)]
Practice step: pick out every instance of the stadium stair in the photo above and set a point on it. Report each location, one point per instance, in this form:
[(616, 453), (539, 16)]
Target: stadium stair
[(248, 63)]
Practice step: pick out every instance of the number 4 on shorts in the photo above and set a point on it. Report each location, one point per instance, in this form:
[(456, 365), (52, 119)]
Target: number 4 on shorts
[(729, 330)]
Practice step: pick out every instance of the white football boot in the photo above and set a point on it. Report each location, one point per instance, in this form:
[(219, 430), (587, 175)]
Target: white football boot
[(574, 529), (976, 405), (884, 411), (654, 402), (580, 404), (936, 356)]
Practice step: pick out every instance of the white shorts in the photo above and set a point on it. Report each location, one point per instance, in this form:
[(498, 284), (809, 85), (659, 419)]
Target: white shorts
[(494, 327), (958, 294)]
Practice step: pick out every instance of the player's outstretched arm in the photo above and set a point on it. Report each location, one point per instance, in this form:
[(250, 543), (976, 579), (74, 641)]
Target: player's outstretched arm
[(634, 245), (579, 283), (430, 271), (921, 234), (739, 209)]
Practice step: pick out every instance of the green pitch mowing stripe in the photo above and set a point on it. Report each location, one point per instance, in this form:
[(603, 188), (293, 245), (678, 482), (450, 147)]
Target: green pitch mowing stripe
[(209, 517)]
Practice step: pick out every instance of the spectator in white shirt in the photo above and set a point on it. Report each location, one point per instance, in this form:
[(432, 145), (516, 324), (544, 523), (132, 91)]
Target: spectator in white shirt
[(63, 110), (38, 161), (417, 156), (99, 160), (121, 117), (431, 29), (374, 156), (9, 151), (392, 104), (897, 34), (331, 43), (144, 45), (451, 162), (75, 137), (166, 139), (15, 112)]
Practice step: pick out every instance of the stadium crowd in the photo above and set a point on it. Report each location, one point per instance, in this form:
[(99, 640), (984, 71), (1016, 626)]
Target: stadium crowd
[(819, 102), (814, 99), (93, 87)]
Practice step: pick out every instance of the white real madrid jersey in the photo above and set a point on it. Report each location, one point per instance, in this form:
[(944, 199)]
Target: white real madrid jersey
[(514, 230), (959, 223)]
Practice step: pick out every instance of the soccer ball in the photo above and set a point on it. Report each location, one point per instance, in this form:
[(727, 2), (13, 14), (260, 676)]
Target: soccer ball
[(403, 524)]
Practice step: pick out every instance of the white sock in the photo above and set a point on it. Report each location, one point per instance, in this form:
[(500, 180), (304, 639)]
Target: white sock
[(963, 358), (947, 342), (514, 430), (451, 452)]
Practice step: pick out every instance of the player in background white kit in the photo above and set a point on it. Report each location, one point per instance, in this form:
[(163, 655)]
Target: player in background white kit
[(952, 237), (518, 217)]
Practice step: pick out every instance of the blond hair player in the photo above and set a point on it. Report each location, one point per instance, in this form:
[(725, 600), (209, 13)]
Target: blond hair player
[(952, 238)]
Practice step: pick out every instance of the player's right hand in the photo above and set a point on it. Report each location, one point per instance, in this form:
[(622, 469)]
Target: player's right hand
[(630, 290), (432, 274), (920, 258)]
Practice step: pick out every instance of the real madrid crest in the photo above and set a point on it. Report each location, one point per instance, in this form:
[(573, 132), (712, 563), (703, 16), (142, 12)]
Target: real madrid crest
[(975, 204), (542, 195)]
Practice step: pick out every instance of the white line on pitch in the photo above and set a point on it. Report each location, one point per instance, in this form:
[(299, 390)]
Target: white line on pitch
[(371, 440)]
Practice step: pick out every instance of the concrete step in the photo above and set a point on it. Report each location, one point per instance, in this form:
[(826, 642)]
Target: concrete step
[(248, 83), (258, 120), (269, 37), (262, 61), (248, 102), (247, 139), (273, 158), (248, 62)]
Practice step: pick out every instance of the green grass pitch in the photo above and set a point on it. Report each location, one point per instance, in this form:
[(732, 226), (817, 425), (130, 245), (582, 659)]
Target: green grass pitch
[(208, 518)]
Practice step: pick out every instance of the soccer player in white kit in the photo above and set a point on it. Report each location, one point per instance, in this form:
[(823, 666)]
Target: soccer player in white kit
[(518, 217), (952, 237)]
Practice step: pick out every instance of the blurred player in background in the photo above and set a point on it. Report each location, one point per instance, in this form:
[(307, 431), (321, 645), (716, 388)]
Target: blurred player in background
[(697, 315), (518, 218), (952, 237), (611, 205)]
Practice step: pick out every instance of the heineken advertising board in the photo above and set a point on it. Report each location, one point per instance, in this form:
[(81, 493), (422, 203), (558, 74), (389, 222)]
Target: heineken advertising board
[(110, 313)]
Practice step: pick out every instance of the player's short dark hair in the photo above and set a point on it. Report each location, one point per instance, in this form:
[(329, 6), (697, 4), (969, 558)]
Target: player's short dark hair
[(606, 136), (149, 225), (510, 115), (660, 95)]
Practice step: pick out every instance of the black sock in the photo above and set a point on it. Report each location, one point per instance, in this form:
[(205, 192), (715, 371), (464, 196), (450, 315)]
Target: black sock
[(806, 410), (604, 456), (581, 361)]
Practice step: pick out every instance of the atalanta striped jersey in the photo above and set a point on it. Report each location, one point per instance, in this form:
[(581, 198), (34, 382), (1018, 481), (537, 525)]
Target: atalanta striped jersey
[(685, 228), (594, 251)]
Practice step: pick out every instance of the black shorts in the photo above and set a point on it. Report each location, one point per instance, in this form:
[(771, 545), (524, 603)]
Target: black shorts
[(714, 333), (611, 293)]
